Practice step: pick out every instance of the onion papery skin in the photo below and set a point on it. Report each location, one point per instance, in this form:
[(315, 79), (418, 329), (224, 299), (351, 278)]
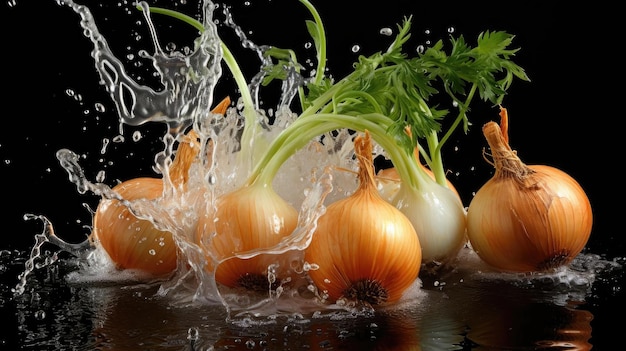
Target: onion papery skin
[(130, 242), (527, 218), (439, 218), (541, 223), (246, 222), (362, 239)]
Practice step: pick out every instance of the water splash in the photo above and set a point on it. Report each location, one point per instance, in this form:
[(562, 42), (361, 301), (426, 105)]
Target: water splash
[(188, 80)]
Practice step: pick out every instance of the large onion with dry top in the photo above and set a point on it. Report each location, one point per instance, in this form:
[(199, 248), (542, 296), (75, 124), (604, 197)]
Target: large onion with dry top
[(135, 243), (364, 249), (526, 218)]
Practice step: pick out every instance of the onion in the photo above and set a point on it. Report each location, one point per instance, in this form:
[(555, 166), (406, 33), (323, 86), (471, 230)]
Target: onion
[(134, 243), (364, 249), (438, 217), (436, 211), (130, 242), (250, 219), (526, 218)]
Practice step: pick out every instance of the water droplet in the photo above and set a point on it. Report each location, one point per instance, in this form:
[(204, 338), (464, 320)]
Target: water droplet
[(212, 179), (356, 48), (308, 45), (451, 30), (420, 49), (105, 144), (193, 334), (386, 31), (40, 315), (99, 107), (101, 176), (136, 136), (152, 252)]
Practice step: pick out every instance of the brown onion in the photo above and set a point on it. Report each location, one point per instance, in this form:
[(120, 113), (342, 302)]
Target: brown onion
[(526, 218), (364, 249)]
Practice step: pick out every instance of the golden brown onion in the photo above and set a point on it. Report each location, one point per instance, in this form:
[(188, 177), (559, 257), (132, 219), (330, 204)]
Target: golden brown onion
[(366, 249), (526, 218), (249, 219), (134, 243)]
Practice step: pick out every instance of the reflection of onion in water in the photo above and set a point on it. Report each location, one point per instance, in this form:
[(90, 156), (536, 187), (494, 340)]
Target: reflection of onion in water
[(133, 318), (537, 325), (382, 332), (508, 311)]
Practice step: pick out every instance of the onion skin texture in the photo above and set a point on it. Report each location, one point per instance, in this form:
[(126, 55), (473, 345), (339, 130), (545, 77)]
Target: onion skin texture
[(130, 242), (365, 248), (527, 218), (246, 220)]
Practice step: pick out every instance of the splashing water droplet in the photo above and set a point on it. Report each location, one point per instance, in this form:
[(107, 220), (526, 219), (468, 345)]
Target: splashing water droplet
[(193, 334), (356, 48), (386, 31), (101, 176), (99, 107), (105, 144)]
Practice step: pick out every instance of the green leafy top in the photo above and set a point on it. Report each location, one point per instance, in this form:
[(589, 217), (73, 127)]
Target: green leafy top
[(401, 88), (390, 93)]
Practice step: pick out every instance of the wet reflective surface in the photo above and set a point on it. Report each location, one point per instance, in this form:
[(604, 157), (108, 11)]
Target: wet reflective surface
[(467, 307)]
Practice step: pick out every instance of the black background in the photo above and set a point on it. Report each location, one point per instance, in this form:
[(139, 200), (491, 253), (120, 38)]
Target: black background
[(568, 116)]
